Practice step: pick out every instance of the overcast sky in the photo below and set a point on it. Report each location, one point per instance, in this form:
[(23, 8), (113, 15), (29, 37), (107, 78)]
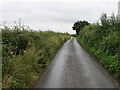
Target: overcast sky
[(56, 15)]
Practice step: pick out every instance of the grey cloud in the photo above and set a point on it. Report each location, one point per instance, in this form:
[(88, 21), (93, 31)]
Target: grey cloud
[(48, 13)]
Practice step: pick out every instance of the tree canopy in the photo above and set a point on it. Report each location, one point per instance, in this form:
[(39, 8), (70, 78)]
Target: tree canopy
[(79, 25)]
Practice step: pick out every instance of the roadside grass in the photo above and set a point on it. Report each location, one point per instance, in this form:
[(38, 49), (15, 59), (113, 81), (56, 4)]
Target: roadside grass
[(103, 42), (111, 63), (26, 53)]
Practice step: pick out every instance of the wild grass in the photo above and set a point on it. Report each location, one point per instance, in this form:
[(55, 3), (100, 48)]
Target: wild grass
[(26, 53), (103, 41)]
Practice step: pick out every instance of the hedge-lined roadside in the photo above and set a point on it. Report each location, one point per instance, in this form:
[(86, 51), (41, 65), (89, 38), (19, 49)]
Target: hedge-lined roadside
[(103, 42), (26, 53)]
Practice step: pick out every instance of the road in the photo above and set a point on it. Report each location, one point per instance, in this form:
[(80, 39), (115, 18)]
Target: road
[(73, 67)]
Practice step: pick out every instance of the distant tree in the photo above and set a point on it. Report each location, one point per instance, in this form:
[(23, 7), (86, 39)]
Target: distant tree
[(79, 25)]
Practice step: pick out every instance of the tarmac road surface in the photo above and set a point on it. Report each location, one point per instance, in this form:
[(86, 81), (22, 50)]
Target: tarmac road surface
[(73, 67)]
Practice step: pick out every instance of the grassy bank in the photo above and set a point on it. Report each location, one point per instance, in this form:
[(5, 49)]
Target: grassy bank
[(26, 53), (103, 42)]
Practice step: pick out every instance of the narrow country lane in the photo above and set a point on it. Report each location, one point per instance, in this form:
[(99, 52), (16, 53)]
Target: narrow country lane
[(73, 67)]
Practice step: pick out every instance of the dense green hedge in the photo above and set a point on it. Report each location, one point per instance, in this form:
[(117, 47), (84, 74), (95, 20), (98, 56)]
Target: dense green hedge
[(102, 40), (25, 53)]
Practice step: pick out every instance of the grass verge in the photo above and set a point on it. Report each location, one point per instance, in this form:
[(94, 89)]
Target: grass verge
[(26, 53)]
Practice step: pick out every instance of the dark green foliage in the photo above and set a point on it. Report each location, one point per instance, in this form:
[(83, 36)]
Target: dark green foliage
[(102, 40), (25, 53), (79, 25)]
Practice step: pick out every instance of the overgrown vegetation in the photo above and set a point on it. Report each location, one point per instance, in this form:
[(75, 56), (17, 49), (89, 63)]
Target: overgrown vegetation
[(102, 40), (26, 53)]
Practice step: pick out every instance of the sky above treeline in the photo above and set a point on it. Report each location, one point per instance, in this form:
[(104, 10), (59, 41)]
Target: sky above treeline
[(56, 15)]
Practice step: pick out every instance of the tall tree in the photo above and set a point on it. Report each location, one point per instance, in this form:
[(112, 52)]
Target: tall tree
[(79, 25)]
